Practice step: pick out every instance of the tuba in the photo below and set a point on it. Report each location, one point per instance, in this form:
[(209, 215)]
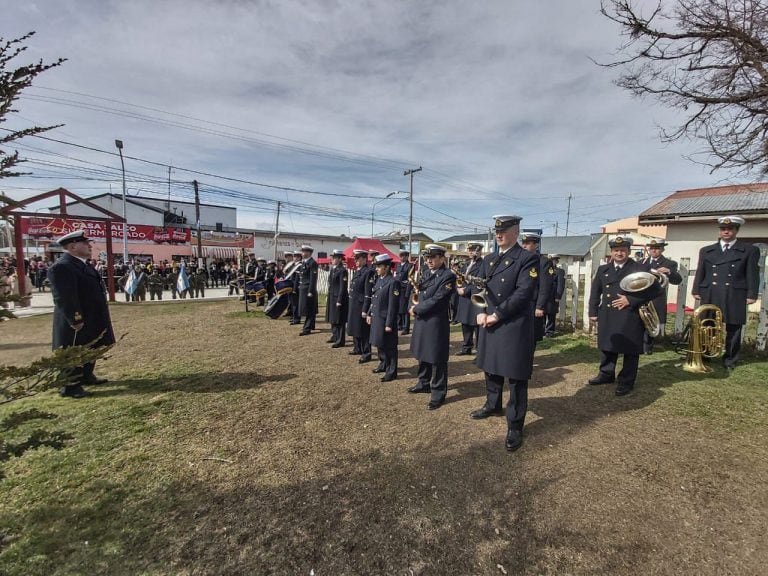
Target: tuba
[(639, 281), (706, 338)]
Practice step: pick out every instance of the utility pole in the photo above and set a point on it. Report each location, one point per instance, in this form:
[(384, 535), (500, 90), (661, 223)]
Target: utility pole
[(197, 218), (568, 217), (277, 228), (119, 146), (410, 212), (169, 188)]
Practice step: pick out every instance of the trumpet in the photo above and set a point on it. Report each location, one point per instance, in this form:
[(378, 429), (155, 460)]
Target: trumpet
[(480, 299), (639, 281)]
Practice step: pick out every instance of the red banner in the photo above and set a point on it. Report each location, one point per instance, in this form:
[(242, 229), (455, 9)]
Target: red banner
[(52, 228)]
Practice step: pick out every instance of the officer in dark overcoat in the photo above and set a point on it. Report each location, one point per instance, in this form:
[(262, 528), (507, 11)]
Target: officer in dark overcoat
[(466, 312), (372, 278), (432, 328), (308, 290), (80, 313), (382, 317), (357, 326), (402, 271), (505, 347), (619, 327), (338, 299), (657, 261), (531, 242), (728, 276), (553, 306), (296, 277)]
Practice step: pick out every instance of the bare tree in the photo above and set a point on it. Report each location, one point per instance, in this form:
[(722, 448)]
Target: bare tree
[(707, 59), (12, 82)]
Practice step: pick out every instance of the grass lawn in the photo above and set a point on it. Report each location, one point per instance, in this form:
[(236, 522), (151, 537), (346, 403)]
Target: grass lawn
[(226, 444)]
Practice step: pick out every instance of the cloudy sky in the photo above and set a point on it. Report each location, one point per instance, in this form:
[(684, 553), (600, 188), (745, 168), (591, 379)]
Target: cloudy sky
[(498, 101)]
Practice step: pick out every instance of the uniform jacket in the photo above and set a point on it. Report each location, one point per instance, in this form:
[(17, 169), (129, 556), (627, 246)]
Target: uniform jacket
[(546, 283), (431, 327), (338, 294), (385, 305), (558, 292), (506, 349), (307, 286), (727, 279), (467, 312), (619, 331), (357, 296), (79, 296), (401, 275), (660, 302)]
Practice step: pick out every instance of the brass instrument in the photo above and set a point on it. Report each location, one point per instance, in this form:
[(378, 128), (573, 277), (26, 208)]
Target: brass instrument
[(478, 299), (414, 284), (706, 338), (639, 281)]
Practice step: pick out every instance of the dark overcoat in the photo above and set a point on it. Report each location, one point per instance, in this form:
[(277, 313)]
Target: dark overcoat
[(385, 305), (619, 331), (307, 286), (727, 279), (358, 288), (467, 312), (78, 296), (558, 289), (401, 275), (338, 295), (431, 327), (546, 293), (660, 302), (506, 349)]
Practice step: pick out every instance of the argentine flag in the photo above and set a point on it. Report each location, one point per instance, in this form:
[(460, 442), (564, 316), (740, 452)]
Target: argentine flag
[(182, 282), (131, 283)]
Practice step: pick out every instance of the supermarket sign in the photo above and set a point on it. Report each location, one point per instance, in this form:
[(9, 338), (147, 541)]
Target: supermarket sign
[(51, 228)]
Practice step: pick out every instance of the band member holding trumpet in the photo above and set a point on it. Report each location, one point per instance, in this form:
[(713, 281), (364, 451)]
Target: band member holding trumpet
[(657, 261), (616, 311), (467, 312), (431, 327), (505, 347), (382, 317), (728, 276)]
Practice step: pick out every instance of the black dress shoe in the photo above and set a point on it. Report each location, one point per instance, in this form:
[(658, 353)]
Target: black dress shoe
[(305, 333), (405, 332), (355, 352), (514, 440), (435, 404), (330, 341), (485, 413), (601, 379), (75, 391), (419, 389), (464, 353), (338, 345), (624, 389), (389, 378), (378, 370), (364, 359)]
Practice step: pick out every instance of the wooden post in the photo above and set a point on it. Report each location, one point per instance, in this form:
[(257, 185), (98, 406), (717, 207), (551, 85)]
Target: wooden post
[(563, 300), (762, 319), (21, 273), (575, 274), (682, 293), (587, 291)]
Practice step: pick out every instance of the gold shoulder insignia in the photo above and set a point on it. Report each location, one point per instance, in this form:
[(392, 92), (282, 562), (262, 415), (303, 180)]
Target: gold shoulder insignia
[(533, 273), (551, 270), (397, 293), (448, 286)]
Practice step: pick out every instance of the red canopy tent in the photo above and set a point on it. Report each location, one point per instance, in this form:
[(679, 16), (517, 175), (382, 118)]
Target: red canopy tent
[(366, 244)]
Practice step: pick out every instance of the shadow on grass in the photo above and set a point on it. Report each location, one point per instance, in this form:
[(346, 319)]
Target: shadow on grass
[(207, 383)]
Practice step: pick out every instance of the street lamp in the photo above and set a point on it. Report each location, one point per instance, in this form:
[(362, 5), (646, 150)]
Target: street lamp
[(119, 145), (387, 197)]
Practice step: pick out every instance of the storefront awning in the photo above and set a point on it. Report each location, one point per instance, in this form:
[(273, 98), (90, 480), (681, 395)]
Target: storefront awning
[(222, 252)]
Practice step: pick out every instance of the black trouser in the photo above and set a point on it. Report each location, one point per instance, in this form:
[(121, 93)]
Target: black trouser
[(434, 377), (309, 322), (549, 324), (628, 370), (518, 399), (404, 322), (470, 334), (296, 318), (156, 292), (81, 375), (363, 343), (339, 333), (538, 328), (388, 359), (732, 344)]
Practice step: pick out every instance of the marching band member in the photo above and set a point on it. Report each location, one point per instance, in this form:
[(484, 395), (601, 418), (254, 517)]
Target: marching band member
[(619, 326), (401, 275), (366, 356), (297, 259), (467, 312), (728, 276), (382, 317), (657, 261), (505, 347), (431, 327), (338, 299), (553, 306), (356, 325), (531, 242), (308, 290)]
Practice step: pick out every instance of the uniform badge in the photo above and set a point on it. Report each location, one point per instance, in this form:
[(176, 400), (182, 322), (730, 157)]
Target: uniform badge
[(448, 286), (396, 293), (551, 271), (533, 273)]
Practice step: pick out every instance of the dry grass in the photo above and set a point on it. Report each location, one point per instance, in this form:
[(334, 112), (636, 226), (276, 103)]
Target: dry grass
[(226, 444)]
